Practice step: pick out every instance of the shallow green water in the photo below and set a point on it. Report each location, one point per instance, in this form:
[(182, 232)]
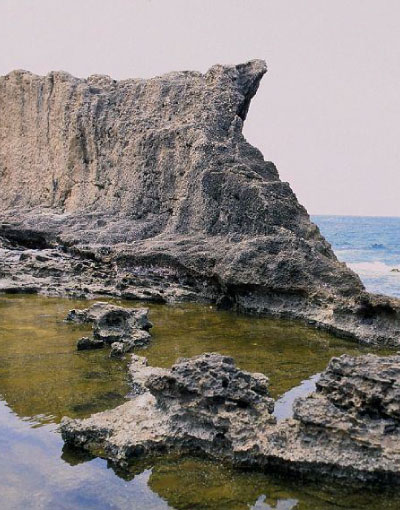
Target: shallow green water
[(43, 377)]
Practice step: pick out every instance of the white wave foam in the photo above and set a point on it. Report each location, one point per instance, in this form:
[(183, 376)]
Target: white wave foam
[(375, 268)]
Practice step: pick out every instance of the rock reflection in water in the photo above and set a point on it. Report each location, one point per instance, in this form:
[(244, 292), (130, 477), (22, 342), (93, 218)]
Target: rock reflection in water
[(42, 378)]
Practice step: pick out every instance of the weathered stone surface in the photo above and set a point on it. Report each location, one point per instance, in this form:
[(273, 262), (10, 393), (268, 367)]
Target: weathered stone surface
[(349, 428), (122, 328), (368, 385), (203, 404), (147, 189)]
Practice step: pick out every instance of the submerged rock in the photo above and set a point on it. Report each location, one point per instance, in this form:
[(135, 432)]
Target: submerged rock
[(349, 428), (86, 343), (122, 328), (138, 338), (147, 189)]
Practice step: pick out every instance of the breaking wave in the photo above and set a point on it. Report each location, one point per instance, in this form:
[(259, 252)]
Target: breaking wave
[(375, 268)]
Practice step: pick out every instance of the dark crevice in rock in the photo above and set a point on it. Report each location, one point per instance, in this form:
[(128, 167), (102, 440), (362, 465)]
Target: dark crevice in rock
[(26, 238)]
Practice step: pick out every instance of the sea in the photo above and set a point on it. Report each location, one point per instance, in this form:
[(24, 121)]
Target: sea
[(370, 245)]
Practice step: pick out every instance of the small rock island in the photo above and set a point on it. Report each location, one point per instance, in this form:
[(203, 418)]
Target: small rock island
[(348, 429)]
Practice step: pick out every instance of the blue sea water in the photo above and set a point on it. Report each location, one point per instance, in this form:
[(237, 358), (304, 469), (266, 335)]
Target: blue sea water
[(369, 245)]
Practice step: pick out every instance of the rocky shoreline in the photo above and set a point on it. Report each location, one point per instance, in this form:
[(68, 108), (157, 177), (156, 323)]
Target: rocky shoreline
[(108, 271), (147, 189), (347, 429)]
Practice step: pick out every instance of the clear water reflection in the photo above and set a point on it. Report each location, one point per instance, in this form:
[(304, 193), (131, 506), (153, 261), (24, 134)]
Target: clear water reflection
[(42, 378)]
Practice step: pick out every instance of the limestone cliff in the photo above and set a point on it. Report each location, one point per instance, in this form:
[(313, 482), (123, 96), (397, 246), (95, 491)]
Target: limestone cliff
[(154, 181)]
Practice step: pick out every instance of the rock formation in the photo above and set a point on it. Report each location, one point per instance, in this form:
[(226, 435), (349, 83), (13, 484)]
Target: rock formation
[(203, 404), (349, 428), (122, 328), (148, 189)]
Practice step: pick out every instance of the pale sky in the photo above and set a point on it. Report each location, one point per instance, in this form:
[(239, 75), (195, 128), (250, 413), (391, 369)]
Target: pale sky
[(327, 112)]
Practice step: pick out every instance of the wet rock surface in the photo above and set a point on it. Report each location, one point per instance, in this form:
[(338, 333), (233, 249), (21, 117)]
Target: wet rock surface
[(86, 343), (147, 189), (122, 328), (348, 428)]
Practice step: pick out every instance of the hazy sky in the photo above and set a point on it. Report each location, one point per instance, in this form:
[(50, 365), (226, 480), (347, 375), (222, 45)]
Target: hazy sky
[(327, 112)]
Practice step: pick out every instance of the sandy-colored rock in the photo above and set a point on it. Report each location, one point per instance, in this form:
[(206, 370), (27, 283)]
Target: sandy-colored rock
[(349, 428), (147, 189), (203, 404)]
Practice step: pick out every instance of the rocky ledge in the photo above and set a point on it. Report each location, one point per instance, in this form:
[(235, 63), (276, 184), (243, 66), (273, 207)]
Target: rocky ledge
[(203, 404), (147, 189), (348, 429), (122, 328)]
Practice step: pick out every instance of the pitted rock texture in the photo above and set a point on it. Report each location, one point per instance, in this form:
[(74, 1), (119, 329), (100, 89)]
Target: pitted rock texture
[(202, 404), (122, 328), (152, 183), (348, 429), (368, 385)]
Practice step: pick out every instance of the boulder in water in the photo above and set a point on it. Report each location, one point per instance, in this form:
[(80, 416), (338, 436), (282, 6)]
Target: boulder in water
[(122, 328)]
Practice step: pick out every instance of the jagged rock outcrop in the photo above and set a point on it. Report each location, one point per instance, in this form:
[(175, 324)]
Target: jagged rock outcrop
[(203, 404), (122, 328), (152, 183), (349, 428)]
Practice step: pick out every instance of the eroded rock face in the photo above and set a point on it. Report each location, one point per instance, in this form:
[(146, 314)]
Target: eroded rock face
[(203, 404), (148, 189), (122, 328), (349, 428)]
